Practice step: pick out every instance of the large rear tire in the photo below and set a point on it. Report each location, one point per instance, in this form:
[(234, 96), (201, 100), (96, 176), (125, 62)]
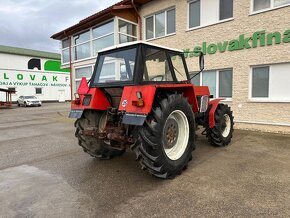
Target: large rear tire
[(93, 145), (165, 142), (221, 134)]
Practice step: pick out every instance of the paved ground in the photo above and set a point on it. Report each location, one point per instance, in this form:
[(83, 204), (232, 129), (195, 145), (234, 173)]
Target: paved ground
[(44, 173)]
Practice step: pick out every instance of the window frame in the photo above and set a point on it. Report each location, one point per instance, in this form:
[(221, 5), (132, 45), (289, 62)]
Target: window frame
[(269, 98), (154, 26), (217, 82), (119, 33), (201, 13), (65, 49), (41, 88), (79, 67), (74, 45), (115, 33), (171, 64), (272, 7), (103, 36)]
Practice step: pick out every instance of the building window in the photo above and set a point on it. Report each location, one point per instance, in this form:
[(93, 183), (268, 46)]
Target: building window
[(225, 83), (194, 14), (127, 32), (220, 82), (209, 79), (226, 9), (82, 46), (260, 82), (38, 91), (207, 12), (103, 36), (160, 24), (196, 79), (89, 43), (65, 51), (149, 27), (261, 5), (82, 72), (271, 82)]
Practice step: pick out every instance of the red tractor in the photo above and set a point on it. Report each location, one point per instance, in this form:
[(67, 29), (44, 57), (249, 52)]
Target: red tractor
[(141, 97)]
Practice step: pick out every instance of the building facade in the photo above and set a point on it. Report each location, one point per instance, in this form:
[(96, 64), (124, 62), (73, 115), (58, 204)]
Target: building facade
[(30, 72), (246, 45)]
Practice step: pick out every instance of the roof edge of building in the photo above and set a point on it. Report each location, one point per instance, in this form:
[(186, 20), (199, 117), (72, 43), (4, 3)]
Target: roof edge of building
[(29, 52), (102, 13)]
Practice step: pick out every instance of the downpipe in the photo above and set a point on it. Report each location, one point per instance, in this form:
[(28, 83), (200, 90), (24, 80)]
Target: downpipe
[(139, 19)]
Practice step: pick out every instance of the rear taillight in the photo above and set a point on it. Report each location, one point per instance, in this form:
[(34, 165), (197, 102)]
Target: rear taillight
[(140, 101), (77, 100)]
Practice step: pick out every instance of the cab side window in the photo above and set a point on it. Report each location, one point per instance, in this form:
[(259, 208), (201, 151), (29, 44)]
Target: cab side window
[(156, 66), (179, 68)]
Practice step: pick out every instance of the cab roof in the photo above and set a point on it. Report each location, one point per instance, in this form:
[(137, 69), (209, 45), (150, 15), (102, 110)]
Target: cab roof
[(123, 45)]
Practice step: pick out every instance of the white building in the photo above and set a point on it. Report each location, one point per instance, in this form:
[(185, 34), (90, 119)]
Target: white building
[(31, 72)]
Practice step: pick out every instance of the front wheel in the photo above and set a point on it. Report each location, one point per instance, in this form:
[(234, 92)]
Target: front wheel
[(18, 104), (166, 140), (221, 134)]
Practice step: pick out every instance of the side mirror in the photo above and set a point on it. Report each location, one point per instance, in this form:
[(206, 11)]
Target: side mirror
[(201, 61)]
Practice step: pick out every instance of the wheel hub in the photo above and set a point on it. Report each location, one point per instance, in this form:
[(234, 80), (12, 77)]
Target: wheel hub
[(171, 131), (175, 135)]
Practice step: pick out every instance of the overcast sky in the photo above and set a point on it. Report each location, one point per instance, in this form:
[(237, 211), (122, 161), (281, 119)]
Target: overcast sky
[(30, 23)]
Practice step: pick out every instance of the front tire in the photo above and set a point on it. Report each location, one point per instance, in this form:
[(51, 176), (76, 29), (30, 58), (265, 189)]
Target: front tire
[(18, 104), (165, 142), (221, 134), (93, 145)]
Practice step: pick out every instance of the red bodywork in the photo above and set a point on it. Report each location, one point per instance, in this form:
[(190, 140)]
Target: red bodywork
[(98, 99), (127, 104)]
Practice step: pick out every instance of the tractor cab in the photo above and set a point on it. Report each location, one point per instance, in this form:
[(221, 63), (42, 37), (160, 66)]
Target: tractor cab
[(139, 63), (140, 97)]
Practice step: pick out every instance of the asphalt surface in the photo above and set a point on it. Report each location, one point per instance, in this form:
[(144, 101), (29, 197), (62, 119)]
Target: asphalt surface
[(44, 173)]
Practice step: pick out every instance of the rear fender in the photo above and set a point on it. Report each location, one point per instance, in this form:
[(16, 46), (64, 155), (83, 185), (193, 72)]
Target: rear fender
[(134, 115), (90, 98), (214, 104), (98, 101), (188, 91), (129, 96), (137, 115)]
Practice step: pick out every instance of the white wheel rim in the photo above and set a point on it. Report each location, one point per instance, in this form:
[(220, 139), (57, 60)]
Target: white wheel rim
[(227, 129), (178, 149)]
